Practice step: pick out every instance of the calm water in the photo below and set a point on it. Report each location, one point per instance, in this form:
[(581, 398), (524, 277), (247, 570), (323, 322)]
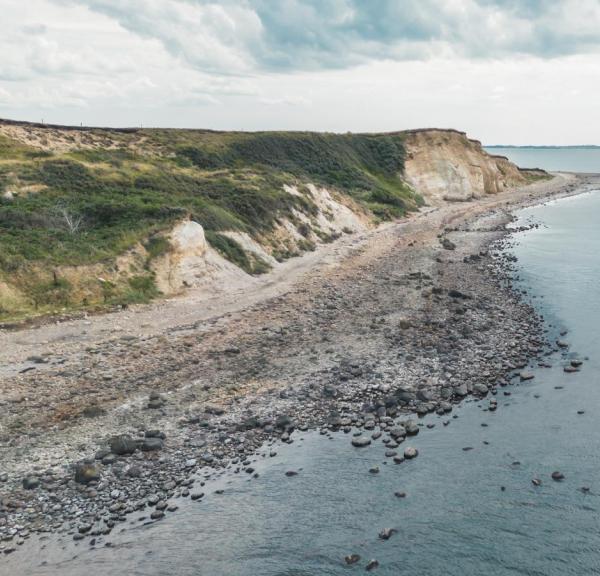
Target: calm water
[(455, 519), (553, 159)]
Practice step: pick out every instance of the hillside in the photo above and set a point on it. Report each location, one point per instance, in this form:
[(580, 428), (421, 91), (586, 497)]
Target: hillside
[(95, 217)]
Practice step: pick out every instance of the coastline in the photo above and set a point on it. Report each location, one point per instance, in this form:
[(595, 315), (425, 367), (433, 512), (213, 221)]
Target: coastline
[(392, 362)]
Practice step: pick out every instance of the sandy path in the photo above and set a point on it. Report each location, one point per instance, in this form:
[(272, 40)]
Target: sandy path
[(197, 308)]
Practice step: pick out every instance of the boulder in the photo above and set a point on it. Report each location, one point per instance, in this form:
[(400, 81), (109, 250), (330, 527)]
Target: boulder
[(31, 482), (121, 445), (86, 473), (410, 452), (361, 441), (151, 444)]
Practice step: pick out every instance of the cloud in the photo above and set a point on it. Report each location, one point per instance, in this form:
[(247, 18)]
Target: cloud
[(306, 64), (249, 36)]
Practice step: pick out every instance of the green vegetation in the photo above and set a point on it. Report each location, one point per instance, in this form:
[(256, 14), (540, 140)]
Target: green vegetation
[(157, 246), (535, 176), (89, 205), (231, 250)]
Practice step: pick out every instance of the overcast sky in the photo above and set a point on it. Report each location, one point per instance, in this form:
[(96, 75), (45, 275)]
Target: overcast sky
[(506, 71)]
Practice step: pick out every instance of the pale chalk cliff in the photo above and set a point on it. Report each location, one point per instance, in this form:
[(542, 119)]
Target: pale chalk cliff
[(446, 166)]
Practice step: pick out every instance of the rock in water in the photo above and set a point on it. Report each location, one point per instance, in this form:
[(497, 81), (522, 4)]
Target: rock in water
[(410, 452), (386, 533), (411, 427), (398, 432), (556, 475), (361, 441), (371, 565), (352, 559)]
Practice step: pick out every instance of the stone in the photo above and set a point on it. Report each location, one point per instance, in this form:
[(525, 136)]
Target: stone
[(386, 533), (556, 475), (461, 391), (86, 473), (361, 441), (30, 482), (134, 471), (352, 559), (93, 411), (410, 452), (214, 410), (398, 432), (411, 427), (480, 389), (122, 445), (371, 565), (151, 444), (425, 395)]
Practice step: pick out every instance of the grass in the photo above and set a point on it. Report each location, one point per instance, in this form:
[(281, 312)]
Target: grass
[(88, 206)]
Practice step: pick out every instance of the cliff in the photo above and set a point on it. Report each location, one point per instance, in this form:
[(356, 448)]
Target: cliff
[(445, 165), (93, 216)]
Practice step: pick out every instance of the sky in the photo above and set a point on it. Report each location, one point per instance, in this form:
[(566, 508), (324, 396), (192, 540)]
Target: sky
[(504, 71)]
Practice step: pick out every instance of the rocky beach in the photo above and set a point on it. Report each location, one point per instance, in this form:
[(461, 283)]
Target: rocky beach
[(106, 416)]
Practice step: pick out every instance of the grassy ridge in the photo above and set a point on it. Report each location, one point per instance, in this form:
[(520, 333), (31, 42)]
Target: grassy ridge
[(89, 205)]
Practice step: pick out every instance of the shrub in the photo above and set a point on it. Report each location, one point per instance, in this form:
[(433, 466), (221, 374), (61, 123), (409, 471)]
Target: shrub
[(231, 250), (141, 289), (157, 246), (56, 292)]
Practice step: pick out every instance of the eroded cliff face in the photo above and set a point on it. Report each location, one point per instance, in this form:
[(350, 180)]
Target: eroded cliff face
[(192, 263), (446, 166)]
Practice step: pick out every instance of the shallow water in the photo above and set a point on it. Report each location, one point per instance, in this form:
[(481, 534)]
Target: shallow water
[(553, 159), (455, 519)]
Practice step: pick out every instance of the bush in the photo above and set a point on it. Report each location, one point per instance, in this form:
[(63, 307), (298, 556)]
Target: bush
[(141, 289), (231, 250), (157, 246), (57, 292)]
